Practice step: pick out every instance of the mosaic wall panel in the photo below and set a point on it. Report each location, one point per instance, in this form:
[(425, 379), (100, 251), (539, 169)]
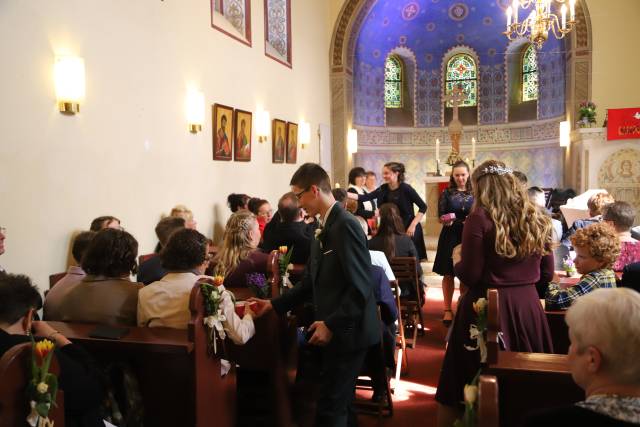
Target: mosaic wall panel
[(492, 94)]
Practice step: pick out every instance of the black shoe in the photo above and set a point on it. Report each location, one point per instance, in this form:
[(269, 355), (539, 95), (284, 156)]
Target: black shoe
[(447, 322), (382, 398)]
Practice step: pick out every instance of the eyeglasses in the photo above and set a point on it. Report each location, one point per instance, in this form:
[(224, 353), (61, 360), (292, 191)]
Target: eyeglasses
[(299, 195)]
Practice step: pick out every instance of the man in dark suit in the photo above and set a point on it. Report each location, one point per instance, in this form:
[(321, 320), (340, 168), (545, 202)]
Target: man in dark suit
[(338, 279), (290, 230)]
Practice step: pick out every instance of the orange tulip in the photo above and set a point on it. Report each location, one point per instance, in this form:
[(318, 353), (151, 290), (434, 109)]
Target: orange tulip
[(43, 348), (218, 280), (283, 250)]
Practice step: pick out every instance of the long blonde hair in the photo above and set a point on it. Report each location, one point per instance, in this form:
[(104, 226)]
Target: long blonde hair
[(521, 228), (236, 246)]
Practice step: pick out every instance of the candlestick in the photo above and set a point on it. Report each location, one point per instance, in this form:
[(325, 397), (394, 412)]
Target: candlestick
[(473, 148), (438, 150), (437, 167)]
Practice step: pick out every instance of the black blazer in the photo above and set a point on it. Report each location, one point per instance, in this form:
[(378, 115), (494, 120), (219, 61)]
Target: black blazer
[(338, 277), (292, 234)]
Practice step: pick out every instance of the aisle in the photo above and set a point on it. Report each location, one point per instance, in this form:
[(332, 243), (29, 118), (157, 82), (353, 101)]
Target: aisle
[(414, 400)]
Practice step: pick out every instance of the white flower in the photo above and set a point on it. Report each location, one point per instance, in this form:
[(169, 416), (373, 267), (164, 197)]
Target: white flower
[(480, 305), (470, 393), (42, 388), (318, 232), (290, 267)]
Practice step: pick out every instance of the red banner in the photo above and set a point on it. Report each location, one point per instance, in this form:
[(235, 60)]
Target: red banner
[(623, 123)]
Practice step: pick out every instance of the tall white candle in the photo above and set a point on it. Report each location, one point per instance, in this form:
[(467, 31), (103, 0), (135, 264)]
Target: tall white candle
[(516, 5), (438, 149), (563, 10), (572, 9), (509, 14), (473, 148)]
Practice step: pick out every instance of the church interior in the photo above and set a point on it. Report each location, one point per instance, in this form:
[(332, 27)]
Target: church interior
[(122, 110)]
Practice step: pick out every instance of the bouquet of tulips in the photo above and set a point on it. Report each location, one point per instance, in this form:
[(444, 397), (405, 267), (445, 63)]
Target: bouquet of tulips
[(43, 387)]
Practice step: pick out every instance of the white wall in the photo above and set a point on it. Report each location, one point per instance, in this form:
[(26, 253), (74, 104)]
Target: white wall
[(128, 153)]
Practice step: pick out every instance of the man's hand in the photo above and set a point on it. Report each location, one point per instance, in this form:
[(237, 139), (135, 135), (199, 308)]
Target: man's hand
[(321, 334), (262, 306)]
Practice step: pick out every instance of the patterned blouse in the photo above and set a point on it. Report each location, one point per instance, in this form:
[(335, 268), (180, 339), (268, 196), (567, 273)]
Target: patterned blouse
[(620, 408), (629, 252), (560, 299)]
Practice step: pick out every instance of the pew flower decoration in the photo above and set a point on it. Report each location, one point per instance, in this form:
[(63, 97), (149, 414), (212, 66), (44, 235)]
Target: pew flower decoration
[(469, 419), (257, 282), (213, 295), (568, 266), (284, 265), (43, 386), (477, 331)]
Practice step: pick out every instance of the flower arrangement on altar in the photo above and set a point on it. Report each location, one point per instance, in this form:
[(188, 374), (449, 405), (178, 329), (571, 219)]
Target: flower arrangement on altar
[(43, 386), (477, 331), (284, 265), (568, 266), (213, 294), (587, 112), (257, 282)]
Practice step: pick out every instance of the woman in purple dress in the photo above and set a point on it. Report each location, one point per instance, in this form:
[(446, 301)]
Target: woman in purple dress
[(505, 244)]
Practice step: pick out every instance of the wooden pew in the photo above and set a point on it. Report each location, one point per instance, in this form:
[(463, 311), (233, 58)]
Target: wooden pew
[(528, 381), (559, 331), (15, 371), (488, 411)]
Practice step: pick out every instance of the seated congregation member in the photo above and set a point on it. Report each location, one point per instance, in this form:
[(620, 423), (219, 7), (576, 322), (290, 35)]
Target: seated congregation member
[(78, 378), (237, 201), (290, 230), (340, 194), (504, 241), (165, 303), (595, 204), (103, 222), (105, 295), (621, 216), (151, 270), (239, 254), (378, 258), (392, 240), (631, 276), (597, 247), (374, 364), (357, 179), (71, 280), (536, 195), (181, 211), (604, 358), (262, 210)]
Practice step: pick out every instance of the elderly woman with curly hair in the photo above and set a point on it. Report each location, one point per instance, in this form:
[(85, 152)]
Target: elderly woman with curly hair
[(597, 248), (239, 254), (506, 244), (604, 359), (106, 294)]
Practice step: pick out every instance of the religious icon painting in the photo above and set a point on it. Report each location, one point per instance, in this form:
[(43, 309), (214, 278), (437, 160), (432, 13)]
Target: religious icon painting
[(222, 132), (292, 142), (242, 136), (279, 136)]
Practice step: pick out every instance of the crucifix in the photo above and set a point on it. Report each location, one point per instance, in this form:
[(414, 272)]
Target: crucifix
[(457, 98)]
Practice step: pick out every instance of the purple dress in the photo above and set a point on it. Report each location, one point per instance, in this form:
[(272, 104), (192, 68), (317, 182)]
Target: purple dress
[(522, 319)]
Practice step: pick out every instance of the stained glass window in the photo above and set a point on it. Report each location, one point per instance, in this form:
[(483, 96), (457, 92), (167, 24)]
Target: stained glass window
[(529, 75), (462, 72), (393, 83)]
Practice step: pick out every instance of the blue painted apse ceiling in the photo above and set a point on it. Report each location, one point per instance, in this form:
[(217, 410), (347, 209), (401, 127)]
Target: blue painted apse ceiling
[(430, 28)]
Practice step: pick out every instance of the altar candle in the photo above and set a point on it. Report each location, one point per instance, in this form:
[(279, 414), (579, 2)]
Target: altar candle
[(563, 10), (473, 148), (438, 149)]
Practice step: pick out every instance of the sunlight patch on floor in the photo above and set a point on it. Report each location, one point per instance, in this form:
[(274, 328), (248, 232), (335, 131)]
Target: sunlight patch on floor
[(404, 390)]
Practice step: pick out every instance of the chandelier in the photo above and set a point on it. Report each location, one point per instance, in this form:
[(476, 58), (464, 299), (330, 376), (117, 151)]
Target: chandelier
[(540, 21)]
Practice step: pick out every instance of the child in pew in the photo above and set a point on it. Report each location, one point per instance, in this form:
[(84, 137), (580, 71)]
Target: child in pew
[(165, 303), (597, 247)]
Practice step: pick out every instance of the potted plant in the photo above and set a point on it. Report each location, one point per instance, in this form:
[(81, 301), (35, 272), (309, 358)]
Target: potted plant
[(587, 114)]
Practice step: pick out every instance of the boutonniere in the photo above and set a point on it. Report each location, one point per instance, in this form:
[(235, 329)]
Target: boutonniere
[(318, 234)]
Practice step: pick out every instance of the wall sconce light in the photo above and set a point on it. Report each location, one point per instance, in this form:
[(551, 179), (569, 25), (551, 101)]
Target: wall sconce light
[(565, 134), (304, 134), (195, 110), (352, 141), (69, 81), (263, 126)]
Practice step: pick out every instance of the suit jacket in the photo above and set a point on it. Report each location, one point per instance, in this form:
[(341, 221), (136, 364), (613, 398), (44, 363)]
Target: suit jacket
[(338, 276), (292, 234), (151, 270)]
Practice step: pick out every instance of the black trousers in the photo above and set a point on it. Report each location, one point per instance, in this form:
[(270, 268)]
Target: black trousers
[(337, 380)]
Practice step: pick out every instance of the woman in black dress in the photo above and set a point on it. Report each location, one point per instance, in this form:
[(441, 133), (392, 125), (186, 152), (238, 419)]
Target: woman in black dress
[(456, 200), (357, 178), (401, 194)]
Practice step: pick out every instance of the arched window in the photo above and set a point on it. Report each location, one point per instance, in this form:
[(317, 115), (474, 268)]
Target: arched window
[(393, 73), (529, 75), (462, 71)]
